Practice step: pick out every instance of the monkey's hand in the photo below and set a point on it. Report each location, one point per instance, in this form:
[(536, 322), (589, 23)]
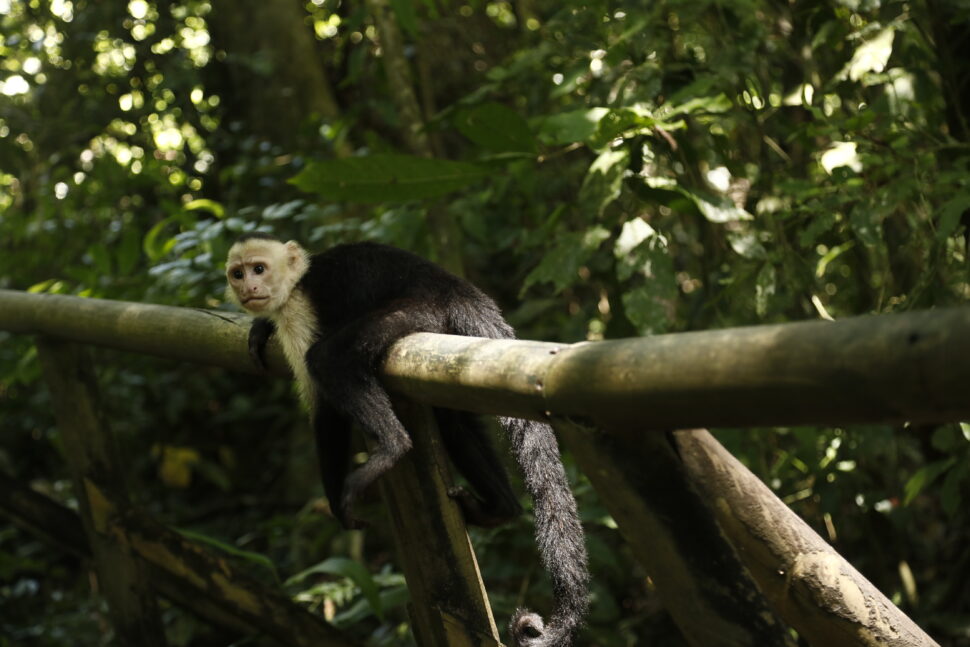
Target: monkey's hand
[(259, 334)]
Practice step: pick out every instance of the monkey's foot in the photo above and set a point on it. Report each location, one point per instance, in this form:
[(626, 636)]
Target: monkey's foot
[(347, 517)]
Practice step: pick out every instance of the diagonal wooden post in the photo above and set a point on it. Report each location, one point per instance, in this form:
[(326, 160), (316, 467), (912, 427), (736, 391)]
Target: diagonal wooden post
[(182, 571), (449, 606), (100, 488), (804, 579), (699, 577)]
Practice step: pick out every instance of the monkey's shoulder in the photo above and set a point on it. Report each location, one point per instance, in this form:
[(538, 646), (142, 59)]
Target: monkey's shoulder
[(370, 257), (368, 268)]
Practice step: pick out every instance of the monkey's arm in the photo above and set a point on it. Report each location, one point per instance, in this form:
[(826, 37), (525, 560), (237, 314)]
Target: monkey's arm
[(259, 334)]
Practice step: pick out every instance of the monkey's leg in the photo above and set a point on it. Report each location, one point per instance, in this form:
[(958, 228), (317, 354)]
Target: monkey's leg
[(332, 432), (470, 449), (344, 365)]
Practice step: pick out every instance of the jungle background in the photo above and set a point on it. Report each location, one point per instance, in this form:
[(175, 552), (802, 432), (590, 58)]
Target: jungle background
[(603, 169)]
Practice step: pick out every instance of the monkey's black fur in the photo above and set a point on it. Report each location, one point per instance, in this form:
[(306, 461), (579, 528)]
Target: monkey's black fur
[(366, 296)]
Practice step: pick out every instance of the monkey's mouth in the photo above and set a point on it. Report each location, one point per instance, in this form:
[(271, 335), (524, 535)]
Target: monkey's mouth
[(258, 300)]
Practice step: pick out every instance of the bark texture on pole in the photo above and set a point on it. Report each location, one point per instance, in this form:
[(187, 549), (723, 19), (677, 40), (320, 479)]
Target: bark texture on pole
[(896, 368), (808, 583), (672, 533), (873, 369), (449, 606), (211, 337)]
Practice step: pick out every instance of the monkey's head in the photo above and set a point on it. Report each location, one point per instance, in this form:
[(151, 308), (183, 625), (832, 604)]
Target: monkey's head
[(262, 271)]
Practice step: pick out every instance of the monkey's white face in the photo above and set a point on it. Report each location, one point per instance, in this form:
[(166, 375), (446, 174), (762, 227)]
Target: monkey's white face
[(262, 273)]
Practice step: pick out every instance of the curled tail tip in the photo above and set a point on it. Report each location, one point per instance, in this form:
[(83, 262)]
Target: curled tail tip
[(527, 629)]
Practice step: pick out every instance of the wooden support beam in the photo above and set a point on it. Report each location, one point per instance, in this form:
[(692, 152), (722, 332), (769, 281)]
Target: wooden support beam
[(449, 606), (182, 571), (873, 369), (887, 369), (699, 577), (805, 580), (100, 488)]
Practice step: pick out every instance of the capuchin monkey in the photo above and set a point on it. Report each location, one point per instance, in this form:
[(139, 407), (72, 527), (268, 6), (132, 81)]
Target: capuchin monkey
[(336, 314)]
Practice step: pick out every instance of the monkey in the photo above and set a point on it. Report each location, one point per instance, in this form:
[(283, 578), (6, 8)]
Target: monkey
[(335, 314)]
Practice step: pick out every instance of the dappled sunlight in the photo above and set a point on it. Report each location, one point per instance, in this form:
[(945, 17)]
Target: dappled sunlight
[(646, 189)]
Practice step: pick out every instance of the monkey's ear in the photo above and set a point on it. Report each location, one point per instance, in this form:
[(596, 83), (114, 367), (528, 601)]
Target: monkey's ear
[(296, 257), (294, 253)]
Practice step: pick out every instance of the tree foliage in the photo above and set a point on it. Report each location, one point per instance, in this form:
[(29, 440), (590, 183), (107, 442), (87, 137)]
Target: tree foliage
[(604, 169)]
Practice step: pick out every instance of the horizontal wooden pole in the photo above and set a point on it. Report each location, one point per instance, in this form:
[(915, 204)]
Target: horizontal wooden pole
[(872, 369), (212, 337)]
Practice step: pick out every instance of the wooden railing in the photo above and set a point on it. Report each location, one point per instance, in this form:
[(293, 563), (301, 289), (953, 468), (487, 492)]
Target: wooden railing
[(731, 562)]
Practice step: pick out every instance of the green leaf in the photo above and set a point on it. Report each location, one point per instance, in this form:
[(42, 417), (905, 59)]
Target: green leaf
[(406, 16), (645, 311), (204, 204), (950, 214), (719, 209), (745, 243), (635, 237), (815, 227), (284, 211), (129, 251), (871, 56), (390, 598), (616, 123), (496, 128), (249, 556), (924, 476), (766, 285), (348, 568), (561, 265), (101, 259), (950, 492), (386, 178), (603, 180), (155, 247), (830, 256), (705, 104), (641, 251), (570, 127)]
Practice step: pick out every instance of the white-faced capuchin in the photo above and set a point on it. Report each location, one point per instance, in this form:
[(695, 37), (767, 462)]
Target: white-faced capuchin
[(336, 313)]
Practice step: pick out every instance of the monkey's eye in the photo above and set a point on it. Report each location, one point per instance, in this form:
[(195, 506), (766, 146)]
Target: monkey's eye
[(259, 269), (237, 274)]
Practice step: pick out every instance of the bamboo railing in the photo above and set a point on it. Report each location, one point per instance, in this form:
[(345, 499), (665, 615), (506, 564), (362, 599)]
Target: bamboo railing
[(728, 558)]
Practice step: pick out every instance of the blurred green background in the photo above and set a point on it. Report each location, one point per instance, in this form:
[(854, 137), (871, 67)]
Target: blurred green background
[(603, 169)]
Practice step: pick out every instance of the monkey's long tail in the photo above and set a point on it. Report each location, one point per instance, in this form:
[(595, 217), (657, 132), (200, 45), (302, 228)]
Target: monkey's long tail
[(559, 537)]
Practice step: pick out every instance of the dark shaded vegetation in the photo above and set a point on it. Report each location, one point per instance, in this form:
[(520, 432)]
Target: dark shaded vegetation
[(603, 170)]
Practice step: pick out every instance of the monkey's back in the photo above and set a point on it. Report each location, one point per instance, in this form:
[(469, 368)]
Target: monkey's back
[(350, 281)]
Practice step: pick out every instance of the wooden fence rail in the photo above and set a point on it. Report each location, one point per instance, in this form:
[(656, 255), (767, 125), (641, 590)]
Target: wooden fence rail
[(725, 553), (894, 369)]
